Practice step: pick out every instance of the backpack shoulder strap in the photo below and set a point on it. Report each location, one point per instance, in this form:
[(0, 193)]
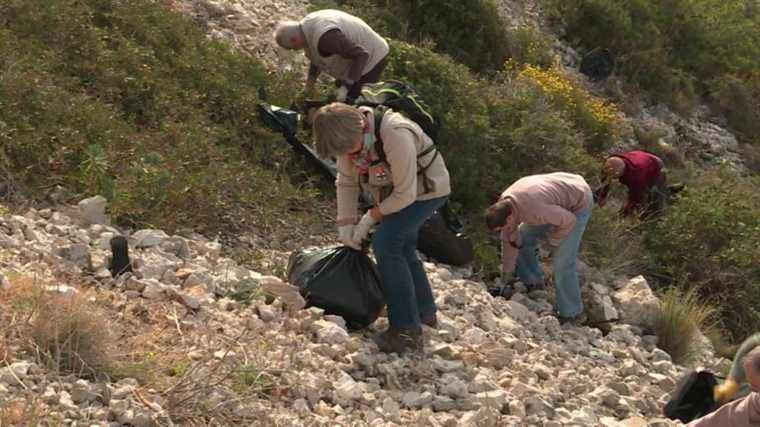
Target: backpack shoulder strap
[(379, 113)]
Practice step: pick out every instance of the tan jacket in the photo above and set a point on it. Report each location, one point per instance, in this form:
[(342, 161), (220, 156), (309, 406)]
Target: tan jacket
[(402, 141), (315, 24)]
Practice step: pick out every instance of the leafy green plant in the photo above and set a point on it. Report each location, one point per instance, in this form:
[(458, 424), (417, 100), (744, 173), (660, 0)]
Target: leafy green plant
[(180, 368), (677, 50), (708, 239), (94, 171)]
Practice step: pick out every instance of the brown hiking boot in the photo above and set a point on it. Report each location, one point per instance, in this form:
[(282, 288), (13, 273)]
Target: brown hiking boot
[(399, 340), (430, 319)]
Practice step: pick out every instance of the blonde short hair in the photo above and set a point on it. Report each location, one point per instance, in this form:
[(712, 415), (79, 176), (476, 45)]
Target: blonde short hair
[(337, 128)]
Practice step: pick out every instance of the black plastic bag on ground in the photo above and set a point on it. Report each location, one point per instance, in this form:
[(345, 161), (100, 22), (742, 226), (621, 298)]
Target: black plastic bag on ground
[(339, 280), (692, 397), (438, 241)]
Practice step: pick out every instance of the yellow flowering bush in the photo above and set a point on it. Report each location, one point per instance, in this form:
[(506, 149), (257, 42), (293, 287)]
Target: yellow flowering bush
[(599, 119)]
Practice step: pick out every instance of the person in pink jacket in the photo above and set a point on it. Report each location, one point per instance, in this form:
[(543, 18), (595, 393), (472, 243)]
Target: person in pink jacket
[(554, 207), (742, 412)]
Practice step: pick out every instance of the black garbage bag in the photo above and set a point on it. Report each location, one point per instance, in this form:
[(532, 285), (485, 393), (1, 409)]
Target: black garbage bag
[(438, 241), (339, 280), (692, 397)]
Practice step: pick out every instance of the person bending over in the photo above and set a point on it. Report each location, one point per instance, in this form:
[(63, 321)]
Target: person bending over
[(642, 173), (339, 44), (408, 180), (553, 207)]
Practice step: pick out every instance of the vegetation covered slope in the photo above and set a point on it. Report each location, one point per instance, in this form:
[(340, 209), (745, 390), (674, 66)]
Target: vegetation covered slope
[(680, 51), (133, 102), (529, 118)]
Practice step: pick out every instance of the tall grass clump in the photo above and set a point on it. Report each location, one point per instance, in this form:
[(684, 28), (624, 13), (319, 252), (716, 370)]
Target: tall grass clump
[(65, 332), (678, 322), (69, 337), (613, 245)]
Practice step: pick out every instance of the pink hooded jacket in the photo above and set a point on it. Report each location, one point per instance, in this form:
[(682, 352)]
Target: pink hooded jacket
[(553, 198)]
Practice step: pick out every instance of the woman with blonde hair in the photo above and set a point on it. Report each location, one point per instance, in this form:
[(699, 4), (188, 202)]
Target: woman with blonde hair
[(407, 177)]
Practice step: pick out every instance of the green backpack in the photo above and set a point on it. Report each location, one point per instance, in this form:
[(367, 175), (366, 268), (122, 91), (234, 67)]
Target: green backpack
[(402, 98)]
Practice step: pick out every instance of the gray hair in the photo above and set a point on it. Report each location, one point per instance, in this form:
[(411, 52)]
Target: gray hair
[(285, 32), (337, 128)]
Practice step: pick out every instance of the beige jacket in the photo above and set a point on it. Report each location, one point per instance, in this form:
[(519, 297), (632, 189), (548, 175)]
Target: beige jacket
[(402, 141), (315, 24)]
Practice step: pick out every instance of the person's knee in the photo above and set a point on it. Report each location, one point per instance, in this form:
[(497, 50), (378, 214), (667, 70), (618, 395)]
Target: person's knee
[(565, 263)]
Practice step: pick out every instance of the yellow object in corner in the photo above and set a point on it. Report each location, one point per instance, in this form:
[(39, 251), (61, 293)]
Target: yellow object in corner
[(725, 392)]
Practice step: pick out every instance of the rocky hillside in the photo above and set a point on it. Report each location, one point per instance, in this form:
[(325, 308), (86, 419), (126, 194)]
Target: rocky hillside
[(190, 339), (194, 337)]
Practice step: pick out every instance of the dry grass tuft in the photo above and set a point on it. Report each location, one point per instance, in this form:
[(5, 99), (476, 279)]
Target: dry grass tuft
[(678, 321), (67, 333), (69, 336), (612, 244)]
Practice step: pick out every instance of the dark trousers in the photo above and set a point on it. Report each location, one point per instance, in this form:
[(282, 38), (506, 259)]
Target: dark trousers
[(372, 76), (404, 281), (656, 197)]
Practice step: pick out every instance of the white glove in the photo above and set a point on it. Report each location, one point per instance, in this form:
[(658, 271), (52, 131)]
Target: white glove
[(345, 235), (362, 228), (341, 93)]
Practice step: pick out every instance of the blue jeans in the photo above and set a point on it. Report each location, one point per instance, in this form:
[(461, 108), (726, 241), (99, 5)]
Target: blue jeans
[(568, 292), (404, 281)]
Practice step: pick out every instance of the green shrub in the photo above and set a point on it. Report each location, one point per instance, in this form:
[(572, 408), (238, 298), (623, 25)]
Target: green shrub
[(708, 239), (739, 101), (134, 102), (676, 50), (470, 31)]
